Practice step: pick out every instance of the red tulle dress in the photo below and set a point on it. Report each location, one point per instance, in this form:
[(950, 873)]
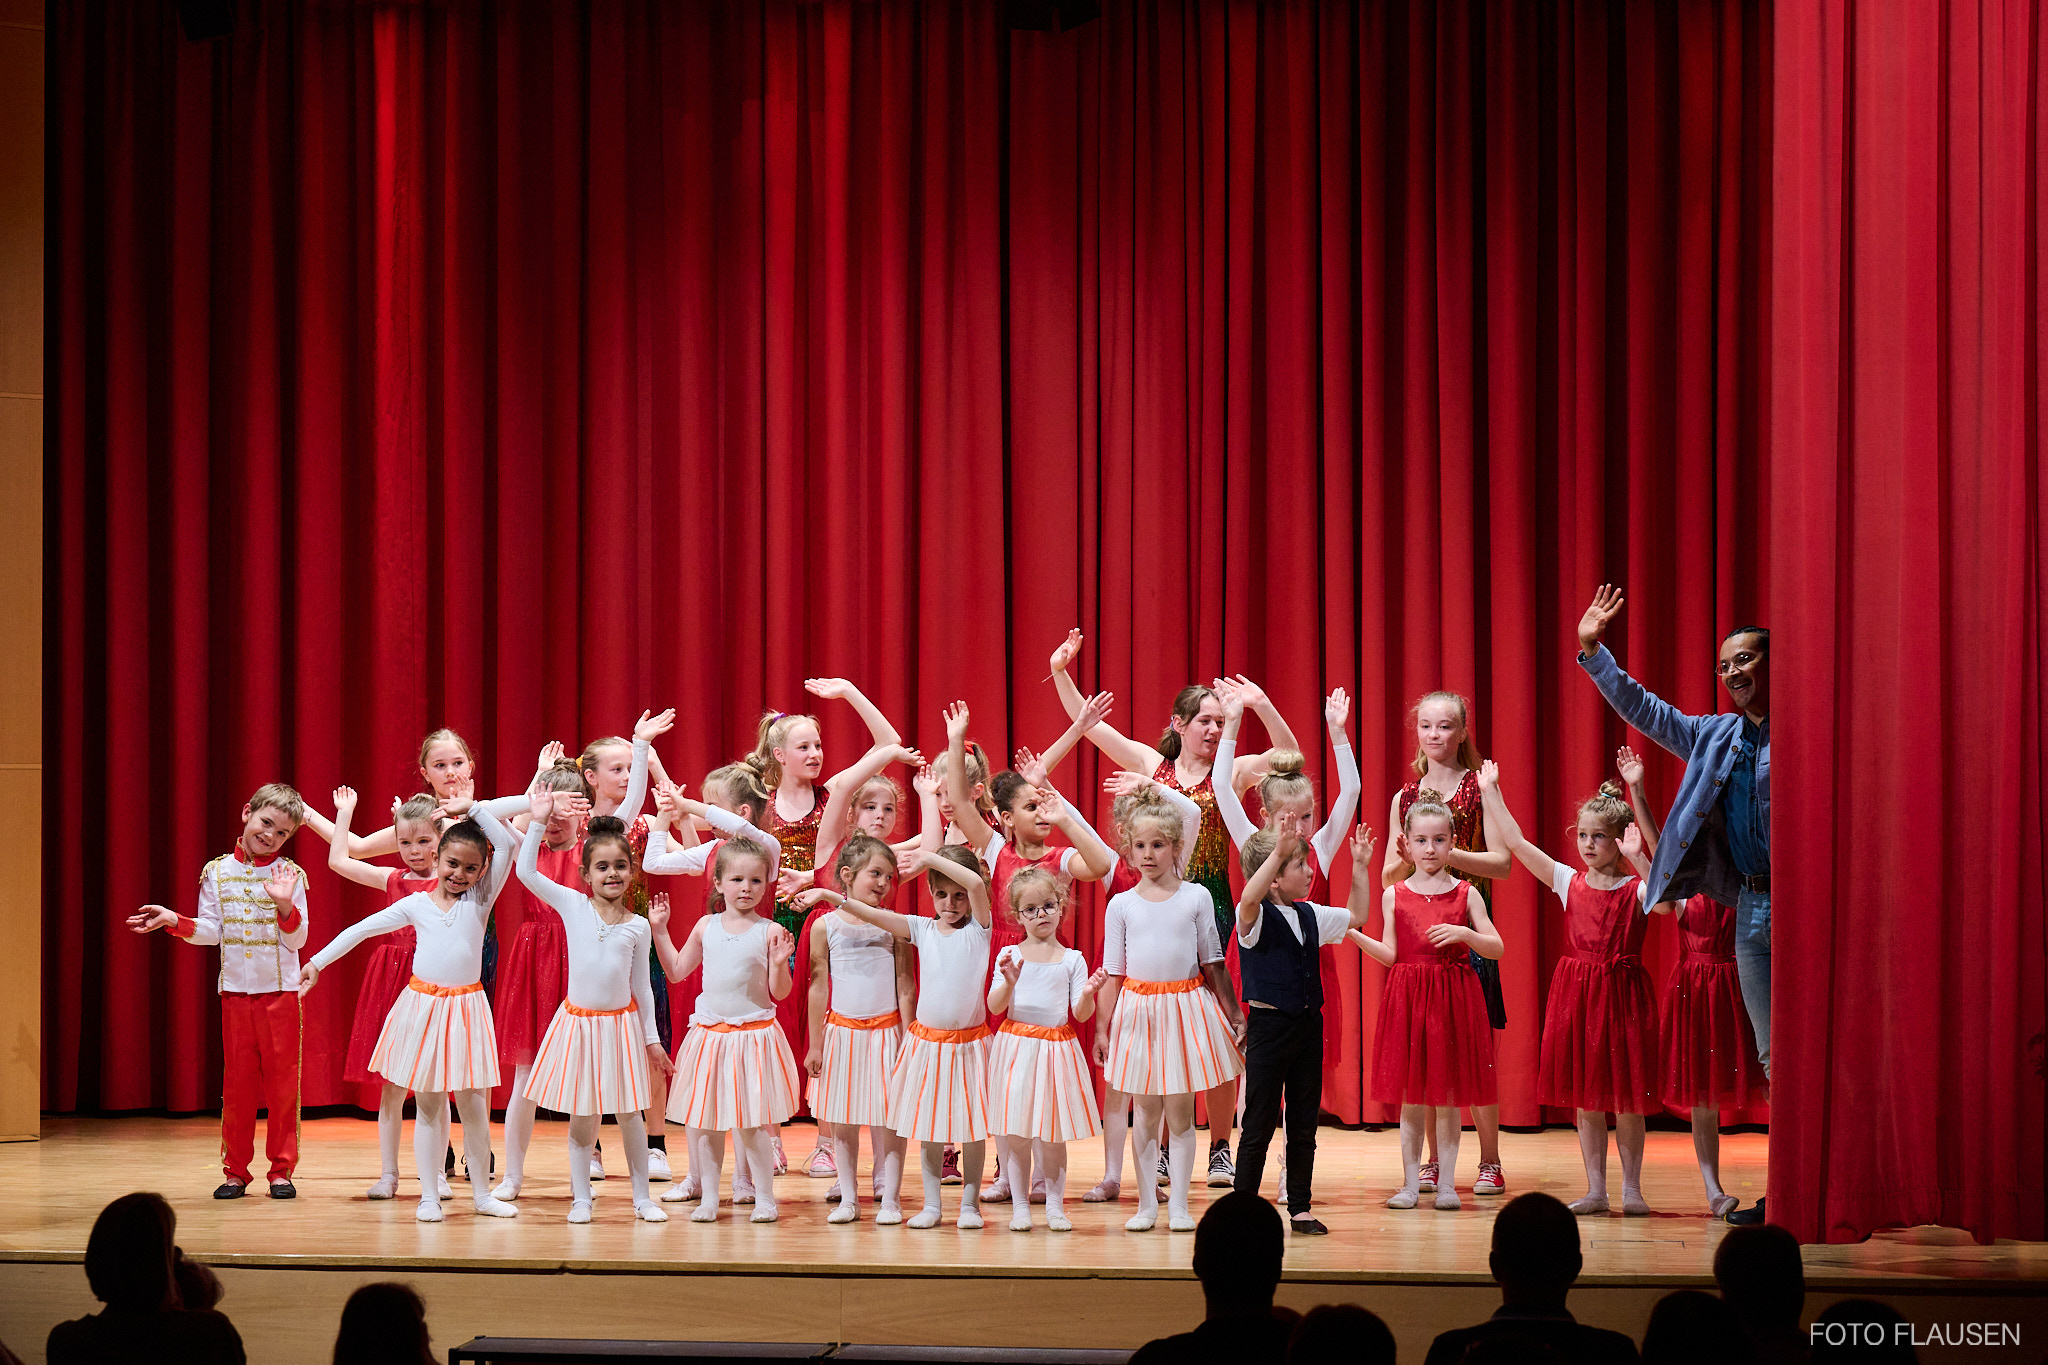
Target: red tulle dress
[(799, 839), (385, 976), (533, 975), (1600, 1023), (1434, 1043), (1709, 1047)]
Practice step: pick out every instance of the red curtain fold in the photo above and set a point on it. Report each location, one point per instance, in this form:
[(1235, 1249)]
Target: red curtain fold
[(1908, 564), (518, 367)]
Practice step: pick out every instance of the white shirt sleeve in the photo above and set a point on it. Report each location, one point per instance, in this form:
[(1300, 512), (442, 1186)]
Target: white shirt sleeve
[(383, 922), (1208, 947), (1330, 838), (559, 898), (505, 807), (1077, 979), (206, 915), (1561, 883), (1331, 923), (643, 990), (1190, 821), (1113, 936), (1227, 803), (636, 785), (662, 861), (504, 852), (1248, 935)]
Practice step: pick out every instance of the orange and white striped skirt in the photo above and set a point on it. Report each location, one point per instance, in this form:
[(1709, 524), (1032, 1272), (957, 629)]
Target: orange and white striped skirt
[(853, 1086), (1169, 1038), (1039, 1085), (733, 1076), (592, 1062), (438, 1039), (939, 1090)]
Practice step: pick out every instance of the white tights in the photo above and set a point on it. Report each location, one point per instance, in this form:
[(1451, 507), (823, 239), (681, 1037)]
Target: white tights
[(756, 1155), (430, 1139), (1178, 1111), (888, 1147)]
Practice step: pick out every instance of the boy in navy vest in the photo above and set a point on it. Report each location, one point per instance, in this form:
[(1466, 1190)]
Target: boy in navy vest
[(1279, 936)]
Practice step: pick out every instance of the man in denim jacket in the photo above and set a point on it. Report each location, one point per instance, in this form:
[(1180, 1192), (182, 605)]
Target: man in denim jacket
[(1717, 838)]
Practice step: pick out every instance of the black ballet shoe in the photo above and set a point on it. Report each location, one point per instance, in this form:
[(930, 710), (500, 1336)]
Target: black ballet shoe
[(1311, 1227), (1746, 1218), (233, 1189), (283, 1189)]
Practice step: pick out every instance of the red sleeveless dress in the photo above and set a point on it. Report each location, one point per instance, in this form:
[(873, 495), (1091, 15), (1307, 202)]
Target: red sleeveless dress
[(1600, 1023), (1709, 1046), (1434, 1045), (385, 976)]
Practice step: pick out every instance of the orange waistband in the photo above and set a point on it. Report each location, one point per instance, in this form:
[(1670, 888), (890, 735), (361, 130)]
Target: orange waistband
[(630, 1007), (1131, 983), (1063, 1034), (429, 988), (872, 1021), (735, 1028), (948, 1035)]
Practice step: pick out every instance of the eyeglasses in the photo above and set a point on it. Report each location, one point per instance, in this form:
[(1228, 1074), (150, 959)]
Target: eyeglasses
[(1742, 660), (1038, 912)]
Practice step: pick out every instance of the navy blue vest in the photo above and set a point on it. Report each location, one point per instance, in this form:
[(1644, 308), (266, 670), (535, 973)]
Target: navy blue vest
[(1281, 970)]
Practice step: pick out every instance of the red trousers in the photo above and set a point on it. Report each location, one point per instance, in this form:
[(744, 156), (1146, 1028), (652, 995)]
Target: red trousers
[(260, 1040)]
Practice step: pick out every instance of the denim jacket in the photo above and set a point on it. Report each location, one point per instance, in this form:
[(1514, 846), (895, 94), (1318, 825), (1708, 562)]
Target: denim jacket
[(1692, 856)]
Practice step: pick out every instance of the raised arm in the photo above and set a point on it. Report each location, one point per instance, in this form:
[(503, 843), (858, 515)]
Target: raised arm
[(1252, 903), (897, 924), (931, 825), (1381, 949), (1634, 703), (1229, 803), (884, 734), (1397, 867), (1093, 859), (1094, 710), (559, 898), (676, 963), (1123, 751), (1631, 766), (967, 818), (645, 731), (1330, 838), (338, 859), (1539, 863), (1279, 734), (1359, 904), (977, 889), (833, 825)]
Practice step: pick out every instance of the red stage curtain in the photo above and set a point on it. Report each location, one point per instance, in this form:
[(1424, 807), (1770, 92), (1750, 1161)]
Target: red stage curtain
[(1908, 563), (519, 367)]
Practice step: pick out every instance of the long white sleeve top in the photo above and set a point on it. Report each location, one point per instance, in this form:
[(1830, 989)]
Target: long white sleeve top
[(450, 948), (259, 949), (661, 860), (1169, 940), (1329, 839), (605, 960)]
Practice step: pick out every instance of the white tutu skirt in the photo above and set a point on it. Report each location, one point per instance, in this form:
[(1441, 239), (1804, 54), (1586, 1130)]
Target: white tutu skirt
[(1039, 1086), (438, 1039), (592, 1062), (1169, 1038), (733, 1076), (939, 1090), (852, 1088)]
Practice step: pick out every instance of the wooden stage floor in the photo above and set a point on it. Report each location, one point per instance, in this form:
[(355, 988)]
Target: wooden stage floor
[(288, 1266)]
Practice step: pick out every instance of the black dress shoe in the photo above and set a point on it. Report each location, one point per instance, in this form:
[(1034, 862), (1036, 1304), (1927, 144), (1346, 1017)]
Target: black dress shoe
[(1746, 1218), (283, 1189), (1309, 1226), (233, 1189)]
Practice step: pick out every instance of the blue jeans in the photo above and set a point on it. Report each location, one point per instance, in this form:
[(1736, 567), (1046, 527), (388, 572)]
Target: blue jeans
[(1753, 965)]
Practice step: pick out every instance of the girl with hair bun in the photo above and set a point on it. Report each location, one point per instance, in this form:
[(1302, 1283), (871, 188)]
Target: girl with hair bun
[(1600, 1023), (601, 1044), (1185, 759), (1446, 771)]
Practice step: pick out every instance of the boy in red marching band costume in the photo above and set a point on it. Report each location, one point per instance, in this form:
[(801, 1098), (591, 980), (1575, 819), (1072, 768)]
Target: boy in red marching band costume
[(252, 904)]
